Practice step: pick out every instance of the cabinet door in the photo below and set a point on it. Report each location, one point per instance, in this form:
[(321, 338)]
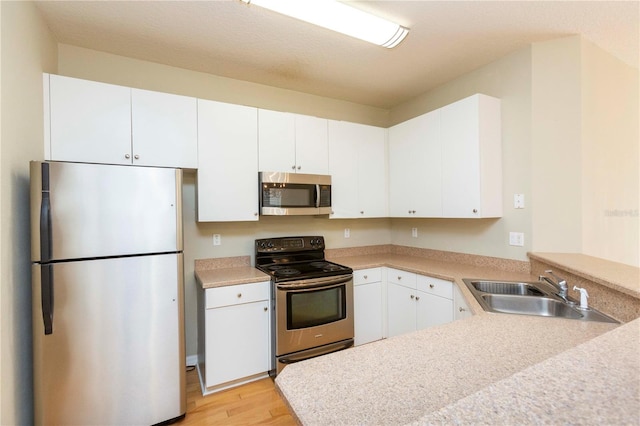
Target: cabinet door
[(367, 307), (276, 141), (414, 167), (432, 310), (312, 146), (227, 162), (237, 342), (343, 160), (90, 121), (372, 172), (164, 129), (401, 309), (461, 309), (472, 158)]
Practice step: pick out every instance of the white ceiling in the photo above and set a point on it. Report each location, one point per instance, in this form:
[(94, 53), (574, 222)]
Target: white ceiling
[(231, 39)]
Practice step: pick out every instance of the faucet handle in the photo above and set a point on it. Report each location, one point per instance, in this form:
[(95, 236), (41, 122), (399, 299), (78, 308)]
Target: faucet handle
[(562, 283)]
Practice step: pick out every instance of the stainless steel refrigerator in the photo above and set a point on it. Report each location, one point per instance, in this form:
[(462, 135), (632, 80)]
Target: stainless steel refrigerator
[(108, 315)]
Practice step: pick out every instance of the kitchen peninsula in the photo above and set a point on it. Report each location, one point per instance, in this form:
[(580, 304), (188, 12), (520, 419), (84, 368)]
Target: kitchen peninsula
[(491, 368)]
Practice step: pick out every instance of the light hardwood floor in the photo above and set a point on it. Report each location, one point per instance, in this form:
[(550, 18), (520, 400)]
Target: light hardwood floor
[(254, 403)]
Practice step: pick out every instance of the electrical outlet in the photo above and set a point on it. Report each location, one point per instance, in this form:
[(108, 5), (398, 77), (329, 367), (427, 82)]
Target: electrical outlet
[(414, 232), (516, 239), (217, 240), (347, 232), (518, 201)]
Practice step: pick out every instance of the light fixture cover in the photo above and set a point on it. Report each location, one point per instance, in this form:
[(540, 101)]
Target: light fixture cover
[(339, 17)]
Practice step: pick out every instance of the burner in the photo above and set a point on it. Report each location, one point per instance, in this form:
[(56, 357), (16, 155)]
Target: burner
[(329, 268), (322, 264), (288, 272)]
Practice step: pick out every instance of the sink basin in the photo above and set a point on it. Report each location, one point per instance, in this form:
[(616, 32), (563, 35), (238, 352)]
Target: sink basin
[(541, 306), (501, 287), (528, 298)]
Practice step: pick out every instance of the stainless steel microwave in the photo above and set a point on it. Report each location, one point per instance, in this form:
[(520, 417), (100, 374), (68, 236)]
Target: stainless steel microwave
[(284, 194)]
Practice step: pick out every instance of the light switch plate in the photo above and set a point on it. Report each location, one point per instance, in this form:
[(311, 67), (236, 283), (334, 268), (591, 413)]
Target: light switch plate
[(516, 239), (414, 232), (217, 240)]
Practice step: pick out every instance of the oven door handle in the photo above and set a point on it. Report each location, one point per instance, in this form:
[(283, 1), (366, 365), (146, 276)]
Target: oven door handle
[(303, 285)]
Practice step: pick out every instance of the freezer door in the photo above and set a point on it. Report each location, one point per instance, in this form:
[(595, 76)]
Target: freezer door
[(81, 211), (116, 355)]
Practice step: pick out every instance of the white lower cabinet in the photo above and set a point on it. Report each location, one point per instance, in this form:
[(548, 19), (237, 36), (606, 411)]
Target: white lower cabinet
[(367, 305), (415, 302), (236, 335)]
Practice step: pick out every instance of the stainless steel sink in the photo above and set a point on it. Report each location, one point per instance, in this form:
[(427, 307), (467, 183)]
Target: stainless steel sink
[(528, 298), (541, 306), (493, 287)]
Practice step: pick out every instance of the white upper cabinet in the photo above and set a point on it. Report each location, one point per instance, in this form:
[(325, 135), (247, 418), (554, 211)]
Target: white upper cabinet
[(104, 123), (89, 121), (164, 129), (472, 158), (415, 171), (292, 143), (448, 162), (228, 162), (357, 165)]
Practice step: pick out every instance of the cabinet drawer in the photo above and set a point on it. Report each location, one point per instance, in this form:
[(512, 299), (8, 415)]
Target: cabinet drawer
[(404, 278), (437, 286), (364, 276), (236, 294)]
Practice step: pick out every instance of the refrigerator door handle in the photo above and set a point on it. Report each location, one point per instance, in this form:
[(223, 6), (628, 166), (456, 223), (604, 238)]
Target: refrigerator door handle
[(45, 217), (46, 289)]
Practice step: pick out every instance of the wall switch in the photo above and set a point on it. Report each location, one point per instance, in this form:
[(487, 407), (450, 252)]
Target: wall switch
[(347, 232), (217, 240), (414, 232), (518, 201), (516, 239)]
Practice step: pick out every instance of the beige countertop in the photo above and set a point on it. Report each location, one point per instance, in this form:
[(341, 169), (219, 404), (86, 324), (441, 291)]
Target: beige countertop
[(490, 368), (621, 277)]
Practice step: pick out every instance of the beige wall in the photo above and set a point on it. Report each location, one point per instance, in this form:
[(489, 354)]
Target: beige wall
[(27, 50), (585, 151), (610, 150), (556, 142), (510, 80)]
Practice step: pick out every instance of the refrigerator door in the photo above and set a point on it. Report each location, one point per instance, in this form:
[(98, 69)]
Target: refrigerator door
[(116, 355), (81, 211)]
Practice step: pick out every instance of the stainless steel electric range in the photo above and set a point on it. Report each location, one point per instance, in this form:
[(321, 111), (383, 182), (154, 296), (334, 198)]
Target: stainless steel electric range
[(312, 299)]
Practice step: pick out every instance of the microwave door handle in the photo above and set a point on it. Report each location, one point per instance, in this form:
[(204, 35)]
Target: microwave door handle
[(317, 195)]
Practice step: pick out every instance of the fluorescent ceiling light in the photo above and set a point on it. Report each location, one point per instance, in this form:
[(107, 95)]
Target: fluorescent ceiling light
[(339, 17)]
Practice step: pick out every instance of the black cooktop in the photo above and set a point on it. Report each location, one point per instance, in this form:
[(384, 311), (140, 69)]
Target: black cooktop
[(296, 258)]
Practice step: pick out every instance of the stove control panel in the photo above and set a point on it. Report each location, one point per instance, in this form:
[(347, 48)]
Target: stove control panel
[(289, 244)]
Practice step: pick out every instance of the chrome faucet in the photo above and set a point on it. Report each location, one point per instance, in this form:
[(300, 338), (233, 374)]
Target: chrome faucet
[(559, 283)]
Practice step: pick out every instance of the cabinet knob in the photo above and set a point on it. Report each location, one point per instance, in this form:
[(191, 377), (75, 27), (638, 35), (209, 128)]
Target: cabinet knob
[(461, 309), (255, 213), (293, 167), (399, 277), (431, 286), (239, 295), (409, 211), (137, 157), (413, 211), (127, 156), (299, 167), (475, 210), (361, 211), (412, 296), (266, 309), (365, 277), (417, 297)]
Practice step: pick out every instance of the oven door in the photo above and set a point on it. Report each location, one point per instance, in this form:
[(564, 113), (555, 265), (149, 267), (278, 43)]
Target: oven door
[(313, 313)]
